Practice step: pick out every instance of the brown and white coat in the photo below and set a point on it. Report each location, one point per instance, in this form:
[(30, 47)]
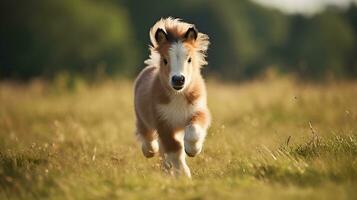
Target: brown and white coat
[(170, 94)]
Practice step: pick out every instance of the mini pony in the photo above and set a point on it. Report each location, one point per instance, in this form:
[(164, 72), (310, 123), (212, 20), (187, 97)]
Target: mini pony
[(170, 95)]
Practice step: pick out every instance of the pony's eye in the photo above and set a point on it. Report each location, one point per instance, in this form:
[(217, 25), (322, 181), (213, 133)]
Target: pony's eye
[(189, 60), (165, 61)]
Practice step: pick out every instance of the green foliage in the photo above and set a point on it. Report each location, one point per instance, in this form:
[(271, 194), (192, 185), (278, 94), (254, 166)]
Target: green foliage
[(324, 44), (45, 37), (86, 37), (256, 34)]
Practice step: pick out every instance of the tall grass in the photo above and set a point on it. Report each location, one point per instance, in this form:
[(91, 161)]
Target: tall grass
[(270, 139)]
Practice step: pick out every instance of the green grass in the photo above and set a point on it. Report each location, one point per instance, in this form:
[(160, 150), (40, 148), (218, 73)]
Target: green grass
[(270, 139)]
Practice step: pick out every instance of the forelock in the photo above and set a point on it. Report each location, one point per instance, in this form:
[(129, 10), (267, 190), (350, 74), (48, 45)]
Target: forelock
[(175, 30)]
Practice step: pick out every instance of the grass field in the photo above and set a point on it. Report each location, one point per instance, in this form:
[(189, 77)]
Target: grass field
[(270, 139)]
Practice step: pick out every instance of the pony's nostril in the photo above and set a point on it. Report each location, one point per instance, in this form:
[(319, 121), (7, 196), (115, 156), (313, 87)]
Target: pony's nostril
[(178, 80)]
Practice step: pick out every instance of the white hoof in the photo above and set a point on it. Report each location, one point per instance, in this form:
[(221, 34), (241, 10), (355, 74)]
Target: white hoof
[(193, 140), (151, 148), (175, 164)]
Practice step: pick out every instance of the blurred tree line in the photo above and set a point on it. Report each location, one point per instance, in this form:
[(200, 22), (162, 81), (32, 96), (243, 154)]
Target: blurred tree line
[(87, 37)]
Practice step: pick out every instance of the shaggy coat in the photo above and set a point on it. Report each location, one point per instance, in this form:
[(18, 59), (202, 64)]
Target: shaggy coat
[(170, 95)]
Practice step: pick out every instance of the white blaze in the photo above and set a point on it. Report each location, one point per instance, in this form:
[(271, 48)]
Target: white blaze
[(178, 62)]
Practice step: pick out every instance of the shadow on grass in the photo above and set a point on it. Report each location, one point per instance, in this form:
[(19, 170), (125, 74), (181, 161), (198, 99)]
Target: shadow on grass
[(21, 171), (309, 164), (316, 147)]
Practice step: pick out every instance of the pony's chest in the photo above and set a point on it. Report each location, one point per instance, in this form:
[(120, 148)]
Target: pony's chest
[(177, 112)]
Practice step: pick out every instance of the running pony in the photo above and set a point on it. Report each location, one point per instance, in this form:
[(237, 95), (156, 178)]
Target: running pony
[(170, 95)]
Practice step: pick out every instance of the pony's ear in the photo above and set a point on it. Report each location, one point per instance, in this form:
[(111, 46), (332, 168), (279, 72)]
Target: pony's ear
[(160, 36), (191, 34)]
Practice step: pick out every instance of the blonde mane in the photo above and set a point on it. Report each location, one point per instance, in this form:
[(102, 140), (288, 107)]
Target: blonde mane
[(178, 28)]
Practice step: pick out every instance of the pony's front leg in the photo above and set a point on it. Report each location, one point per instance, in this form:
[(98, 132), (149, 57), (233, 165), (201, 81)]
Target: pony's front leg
[(174, 155), (196, 132)]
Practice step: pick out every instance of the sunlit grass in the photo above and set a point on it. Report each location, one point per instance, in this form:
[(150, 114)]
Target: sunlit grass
[(270, 139)]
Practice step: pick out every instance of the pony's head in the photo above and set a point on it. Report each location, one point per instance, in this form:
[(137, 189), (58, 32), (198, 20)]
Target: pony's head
[(180, 51)]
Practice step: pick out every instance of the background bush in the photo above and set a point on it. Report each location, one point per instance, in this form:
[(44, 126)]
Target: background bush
[(87, 37)]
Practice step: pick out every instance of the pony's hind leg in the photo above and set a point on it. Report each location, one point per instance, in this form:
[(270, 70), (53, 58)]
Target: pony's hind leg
[(149, 140)]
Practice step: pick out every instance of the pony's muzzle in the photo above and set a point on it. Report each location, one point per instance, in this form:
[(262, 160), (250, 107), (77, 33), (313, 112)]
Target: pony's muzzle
[(177, 82)]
